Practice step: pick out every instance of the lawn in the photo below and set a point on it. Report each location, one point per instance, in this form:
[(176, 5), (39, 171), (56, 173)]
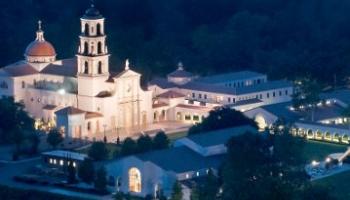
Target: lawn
[(338, 185), (315, 150)]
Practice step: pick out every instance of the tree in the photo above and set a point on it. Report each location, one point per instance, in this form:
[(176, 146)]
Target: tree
[(209, 189), (35, 141), (346, 114), (86, 171), (177, 192), (221, 118), (71, 176), (195, 193), (316, 192), (17, 123), (98, 151), (144, 143), (128, 147), (54, 138), (161, 141), (306, 95), (263, 165), (101, 180)]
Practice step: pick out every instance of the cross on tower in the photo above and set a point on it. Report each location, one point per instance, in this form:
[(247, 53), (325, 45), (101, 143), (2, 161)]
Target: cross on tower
[(39, 24)]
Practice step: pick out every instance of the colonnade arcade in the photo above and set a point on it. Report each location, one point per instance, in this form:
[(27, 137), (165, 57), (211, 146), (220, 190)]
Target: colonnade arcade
[(318, 134)]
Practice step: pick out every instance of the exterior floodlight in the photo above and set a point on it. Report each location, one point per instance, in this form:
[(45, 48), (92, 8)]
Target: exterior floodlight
[(328, 160), (62, 91), (314, 163)]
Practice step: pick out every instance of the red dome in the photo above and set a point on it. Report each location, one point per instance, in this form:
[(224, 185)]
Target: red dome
[(40, 48)]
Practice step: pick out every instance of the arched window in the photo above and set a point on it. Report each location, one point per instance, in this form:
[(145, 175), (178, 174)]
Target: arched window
[(87, 30), (89, 126), (99, 47), (23, 84), (98, 29), (86, 67), (86, 48), (134, 180), (99, 67)]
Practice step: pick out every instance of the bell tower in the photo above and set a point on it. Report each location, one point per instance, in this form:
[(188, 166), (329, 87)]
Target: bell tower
[(92, 56)]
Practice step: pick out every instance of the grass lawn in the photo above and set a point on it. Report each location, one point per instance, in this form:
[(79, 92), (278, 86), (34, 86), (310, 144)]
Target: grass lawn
[(338, 185), (315, 150)]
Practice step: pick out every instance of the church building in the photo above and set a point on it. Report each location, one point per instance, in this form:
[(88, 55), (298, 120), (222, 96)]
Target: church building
[(83, 98), (79, 95)]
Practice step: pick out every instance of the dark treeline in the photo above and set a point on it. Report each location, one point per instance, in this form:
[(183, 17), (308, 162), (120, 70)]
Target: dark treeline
[(283, 38)]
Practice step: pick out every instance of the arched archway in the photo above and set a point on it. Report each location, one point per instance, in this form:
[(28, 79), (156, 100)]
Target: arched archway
[(163, 115), (156, 116), (87, 29), (178, 116), (319, 135), (98, 29), (310, 134), (135, 182), (99, 68), (345, 139), (336, 137), (327, 136), (99, 47), (86, 48), (86, 67), (260, 121)]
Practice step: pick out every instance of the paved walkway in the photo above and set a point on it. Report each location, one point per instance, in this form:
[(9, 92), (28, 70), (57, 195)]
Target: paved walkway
[(343, 168)]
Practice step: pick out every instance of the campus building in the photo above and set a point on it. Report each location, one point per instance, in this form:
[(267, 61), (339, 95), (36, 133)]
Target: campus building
[(324, 123), (155, 172), (82, 97)]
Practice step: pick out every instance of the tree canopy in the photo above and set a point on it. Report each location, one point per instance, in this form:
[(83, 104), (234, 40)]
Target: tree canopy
[(283, 38), (15, 123), (98, 151), (54, 138), (221, 118)]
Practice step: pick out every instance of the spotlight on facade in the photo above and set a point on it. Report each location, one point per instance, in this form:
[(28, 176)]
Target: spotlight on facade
[(328, 160), (62, 91)]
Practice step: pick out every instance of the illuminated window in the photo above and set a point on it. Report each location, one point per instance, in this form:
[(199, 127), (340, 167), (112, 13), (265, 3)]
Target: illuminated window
[(61, 162), (50, 160), (134, 180), (54, 161), (187, 176), (197, 173), (74, 164)]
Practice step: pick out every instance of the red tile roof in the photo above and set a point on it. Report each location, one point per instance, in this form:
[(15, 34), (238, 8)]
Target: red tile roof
[(20, 69), (69, 111), (171, 94)]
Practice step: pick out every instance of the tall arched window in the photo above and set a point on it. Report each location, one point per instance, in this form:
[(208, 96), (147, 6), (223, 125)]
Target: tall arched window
[(86, 67), (86, 48), (135, 180), (99, 67), (87, 30), (23, 84), (98, 29), (99, 47)]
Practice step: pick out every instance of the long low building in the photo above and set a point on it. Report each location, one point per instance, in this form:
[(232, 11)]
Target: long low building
[(190, 157), (325, 123)]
